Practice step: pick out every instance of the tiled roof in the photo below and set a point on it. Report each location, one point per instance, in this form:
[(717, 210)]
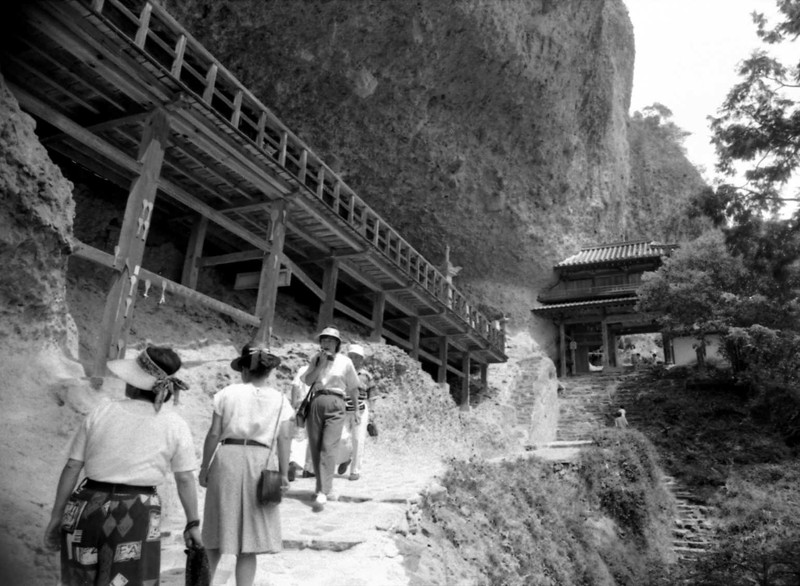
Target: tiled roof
[(590, 303), (614, 253)]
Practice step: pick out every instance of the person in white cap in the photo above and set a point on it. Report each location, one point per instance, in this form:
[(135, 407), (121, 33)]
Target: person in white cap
[(332, 377), (354, 435), (108, 529)]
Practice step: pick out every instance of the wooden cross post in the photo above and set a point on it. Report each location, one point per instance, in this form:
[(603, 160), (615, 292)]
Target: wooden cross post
[(118, 312), (378, 306), (194, 251), (441, 374), (329, 279), (465, 382), (270, 273), (413, 337)]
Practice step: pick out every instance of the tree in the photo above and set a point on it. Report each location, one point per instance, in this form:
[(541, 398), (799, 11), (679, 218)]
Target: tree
[(759, 124), (703, 288)]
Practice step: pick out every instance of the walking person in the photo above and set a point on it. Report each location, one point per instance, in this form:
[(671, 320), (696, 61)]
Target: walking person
[(620, 421), (332, 377), (109, 528), (300, 451), (357, 416), (248, 417)]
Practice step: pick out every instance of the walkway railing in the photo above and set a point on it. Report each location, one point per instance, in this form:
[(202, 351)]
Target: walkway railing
[(167, 44)]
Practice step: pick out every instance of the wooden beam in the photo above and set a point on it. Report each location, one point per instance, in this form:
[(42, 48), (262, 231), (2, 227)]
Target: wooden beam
[(465, 382), (484, 376), (396, 288), (378, 307), (92, 254), (194, 250), (329, 280), (244, 208), (268, 287), (399, 340), (562, 348), (118, 312), (101, 126), (336, 255), (116, 156), (233, 257), (413, 337), (252, 280), (604, 331), (353, 314), (441, 374)]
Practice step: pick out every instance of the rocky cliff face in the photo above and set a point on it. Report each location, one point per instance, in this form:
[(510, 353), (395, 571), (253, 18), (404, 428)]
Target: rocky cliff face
[(36, 212), (499, 128)]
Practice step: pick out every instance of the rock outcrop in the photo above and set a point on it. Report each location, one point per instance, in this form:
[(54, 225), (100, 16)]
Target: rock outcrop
[(36, 213), (499, 128)]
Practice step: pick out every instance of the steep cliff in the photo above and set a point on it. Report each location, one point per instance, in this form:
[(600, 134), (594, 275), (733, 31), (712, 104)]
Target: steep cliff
[(499, 128)]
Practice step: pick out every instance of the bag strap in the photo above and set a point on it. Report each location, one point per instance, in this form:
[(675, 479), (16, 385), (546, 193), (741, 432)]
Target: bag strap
[(275, 434)]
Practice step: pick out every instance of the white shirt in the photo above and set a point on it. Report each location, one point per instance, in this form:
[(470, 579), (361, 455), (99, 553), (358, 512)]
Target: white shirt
[(338, 374), (127, 442), (299, 387), (250, 412)]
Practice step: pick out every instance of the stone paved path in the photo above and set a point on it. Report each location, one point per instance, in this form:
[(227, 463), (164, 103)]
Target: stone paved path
[(349, 543)]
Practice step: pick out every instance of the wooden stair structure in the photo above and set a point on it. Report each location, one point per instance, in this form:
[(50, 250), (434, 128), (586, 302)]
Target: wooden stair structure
[(120, 88)]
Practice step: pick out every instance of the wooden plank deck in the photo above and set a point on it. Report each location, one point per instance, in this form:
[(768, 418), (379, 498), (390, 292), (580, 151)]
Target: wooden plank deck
[(93, 70)]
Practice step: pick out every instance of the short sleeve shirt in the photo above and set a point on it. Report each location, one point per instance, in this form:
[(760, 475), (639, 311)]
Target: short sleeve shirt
[(250, 412), (128, 442), (338, 374)]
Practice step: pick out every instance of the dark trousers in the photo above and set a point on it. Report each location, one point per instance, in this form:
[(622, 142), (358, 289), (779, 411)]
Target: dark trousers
[(324, 427)]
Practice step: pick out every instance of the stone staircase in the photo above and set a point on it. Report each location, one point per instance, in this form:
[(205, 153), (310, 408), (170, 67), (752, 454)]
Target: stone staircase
[(692, 533), (589, 403)]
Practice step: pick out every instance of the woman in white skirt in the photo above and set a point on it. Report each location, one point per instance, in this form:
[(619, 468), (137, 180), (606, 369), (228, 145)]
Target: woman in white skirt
[(247, 418)]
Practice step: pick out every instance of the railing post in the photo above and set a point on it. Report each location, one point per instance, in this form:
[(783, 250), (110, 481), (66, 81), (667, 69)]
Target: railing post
[(211, 80), (180, 51), (237, 109), (283, 148), (144, 24), (301, 175)]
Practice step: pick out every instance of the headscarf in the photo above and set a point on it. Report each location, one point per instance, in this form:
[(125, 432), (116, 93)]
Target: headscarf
[(165, 385)]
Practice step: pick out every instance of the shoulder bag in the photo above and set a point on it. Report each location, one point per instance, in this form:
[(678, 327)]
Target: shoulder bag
[(302, 409), (269, 490)]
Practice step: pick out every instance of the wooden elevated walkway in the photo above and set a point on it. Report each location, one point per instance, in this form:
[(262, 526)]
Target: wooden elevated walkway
[(120, 88)]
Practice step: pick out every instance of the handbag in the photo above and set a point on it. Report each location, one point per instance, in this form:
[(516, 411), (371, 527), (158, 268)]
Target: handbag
[(269, 487), (198, 571), (269, 490), (302, 410)]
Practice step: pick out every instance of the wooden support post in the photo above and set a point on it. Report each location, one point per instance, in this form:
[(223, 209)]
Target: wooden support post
[(441, 374), (604, 330), (666, 344), (484, 376), (329, 280), (562, 348), (465, 382), (118, 312), (413, 337), (270, 271), (194, 250), (378, 306)]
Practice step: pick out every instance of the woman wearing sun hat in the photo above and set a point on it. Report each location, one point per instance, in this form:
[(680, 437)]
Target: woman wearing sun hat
[(246, 417), (108, 529), (332, 377)]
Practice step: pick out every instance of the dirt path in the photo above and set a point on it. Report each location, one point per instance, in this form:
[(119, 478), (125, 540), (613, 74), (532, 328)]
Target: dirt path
[(350, 543)]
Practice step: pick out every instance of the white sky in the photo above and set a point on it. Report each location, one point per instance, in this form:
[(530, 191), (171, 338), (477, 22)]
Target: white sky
[(686, 57)]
